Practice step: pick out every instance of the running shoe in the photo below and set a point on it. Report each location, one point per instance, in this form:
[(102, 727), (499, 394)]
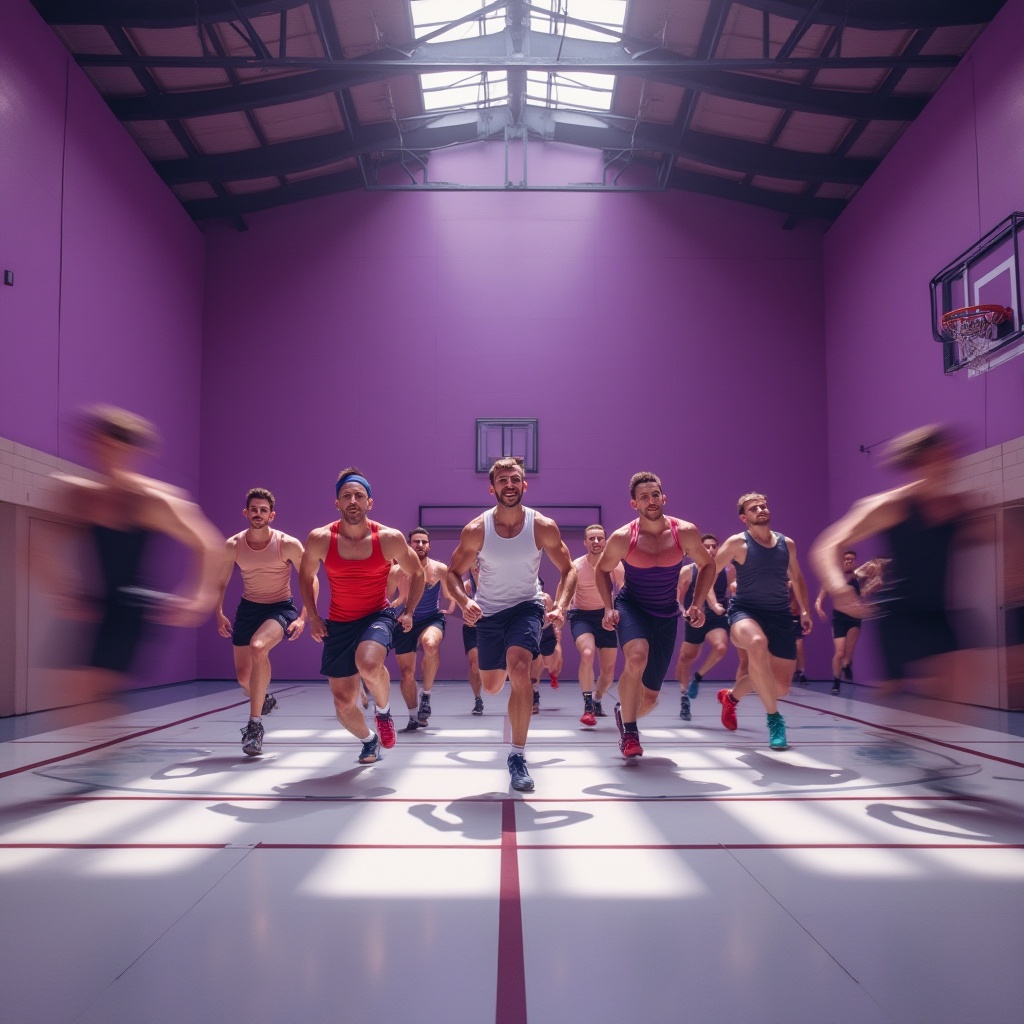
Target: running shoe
[(554, 682), (630, 745), (536, 702), (694, 686), (478, 706), (371, 751), (777, 732), (801, 678), (848, 673), (728, 710), (588, 717), (835, 687), (684, 709), (412, 726), (385, 730), (598, 710), (252, 738), (518, 773), (424, 713), (269, 703)]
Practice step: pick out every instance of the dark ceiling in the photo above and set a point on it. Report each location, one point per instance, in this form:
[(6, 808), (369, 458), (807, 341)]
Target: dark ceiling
[(790, 105)]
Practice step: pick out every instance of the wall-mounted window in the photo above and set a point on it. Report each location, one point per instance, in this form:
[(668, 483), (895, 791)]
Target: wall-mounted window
[(496, 439)]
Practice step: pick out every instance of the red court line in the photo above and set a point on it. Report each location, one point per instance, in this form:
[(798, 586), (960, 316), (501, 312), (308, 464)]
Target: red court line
[(906, 732), (119, 739), (511, 994)]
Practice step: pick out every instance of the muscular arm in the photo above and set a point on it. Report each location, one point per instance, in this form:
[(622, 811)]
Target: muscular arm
[(796, 577), (614, 552), (689, 541), (315, 551), (398, 586), (223, 622), (547, 532), (470, 542), (394, 546), (292, 550), (444, 589), (733, 550)]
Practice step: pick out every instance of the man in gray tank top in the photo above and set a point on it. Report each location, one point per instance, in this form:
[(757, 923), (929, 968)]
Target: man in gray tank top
[(760, 624), (508, 605)]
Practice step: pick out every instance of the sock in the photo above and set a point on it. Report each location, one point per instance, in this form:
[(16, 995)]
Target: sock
[(697, 677), (588, 695), (366, 739), (514, 749), (630, 727), (775, 715), (732, 698), (836, 680), (386, 710), (256, 718)]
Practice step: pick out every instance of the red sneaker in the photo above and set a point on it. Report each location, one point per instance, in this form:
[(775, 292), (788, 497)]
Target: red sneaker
[(588, 718), (728, 710), (386, 730), (554, 682), (630, 745)]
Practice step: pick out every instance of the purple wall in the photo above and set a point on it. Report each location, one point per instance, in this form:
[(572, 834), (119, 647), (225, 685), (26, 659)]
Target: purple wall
[(107, 302), (956, 173), (645, 331)]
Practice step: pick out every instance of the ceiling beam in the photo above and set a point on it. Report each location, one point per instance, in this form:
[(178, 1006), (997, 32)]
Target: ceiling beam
[(884, 14)]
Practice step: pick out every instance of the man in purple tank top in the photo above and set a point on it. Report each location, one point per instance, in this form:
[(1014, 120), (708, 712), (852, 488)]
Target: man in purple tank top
[(646, 611)]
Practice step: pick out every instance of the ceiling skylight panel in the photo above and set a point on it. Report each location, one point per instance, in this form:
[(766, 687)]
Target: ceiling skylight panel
[(430, 15), (603, 14), (463, 90)]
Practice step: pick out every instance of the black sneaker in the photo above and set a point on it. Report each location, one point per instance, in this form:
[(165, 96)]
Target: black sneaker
[(684, 709), (412, 726), (835, 686), (848, 673), (598, 710), (252, 738), (269, 703), (520, 776), (478, 706), (371, 751), (424, 713)]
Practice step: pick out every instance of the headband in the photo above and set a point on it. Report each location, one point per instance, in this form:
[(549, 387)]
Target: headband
[(357, 478)]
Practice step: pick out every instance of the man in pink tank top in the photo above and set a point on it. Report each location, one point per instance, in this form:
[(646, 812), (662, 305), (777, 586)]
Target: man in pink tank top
[(507, 607), (357, 555), (266, 613)]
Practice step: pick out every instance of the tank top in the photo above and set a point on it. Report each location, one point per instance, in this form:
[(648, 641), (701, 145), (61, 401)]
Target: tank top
[(266, 574), (654, 588), (762, 580), (358, 585), (920, 561), (721, 588), (508, 567), (120, 554), (427, 606), (587, 598)]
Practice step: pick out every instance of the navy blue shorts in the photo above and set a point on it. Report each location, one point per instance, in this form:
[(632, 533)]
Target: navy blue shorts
[(518, 626), (252, 614), (910, 634), (405, 643), (469, 638), (118, 636), (696, 635), (636, 623), (339, 657), (842, 624), (589, 621), (777, 627), (548, 642)]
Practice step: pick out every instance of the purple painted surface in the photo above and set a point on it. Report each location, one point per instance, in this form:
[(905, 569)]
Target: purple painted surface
[(667, 332), (108, 295)]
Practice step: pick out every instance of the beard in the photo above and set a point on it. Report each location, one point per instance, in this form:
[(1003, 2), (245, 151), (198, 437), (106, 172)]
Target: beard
[(511, 501), (353, 517)]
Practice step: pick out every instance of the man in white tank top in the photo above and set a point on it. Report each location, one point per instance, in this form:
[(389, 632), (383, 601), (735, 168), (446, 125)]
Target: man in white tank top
[(266, 613), (508, 606)]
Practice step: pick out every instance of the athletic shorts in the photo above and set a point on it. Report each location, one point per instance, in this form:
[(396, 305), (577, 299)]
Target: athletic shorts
[(696, 635), (842, 624), (405, 643), (339, 657), (636, 623), (252, 614), (583, 620), (469, 638), (911, 634), (518, 626), (548, 642), (798, 626), (117, 637), (776, 626)]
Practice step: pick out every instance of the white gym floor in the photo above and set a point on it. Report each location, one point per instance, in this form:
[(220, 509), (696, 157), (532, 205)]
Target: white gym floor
[(151, 872)]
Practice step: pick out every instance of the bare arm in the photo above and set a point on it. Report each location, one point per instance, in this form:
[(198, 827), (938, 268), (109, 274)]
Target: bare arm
[(398, 586), (546, 530), (314, 552), (292, 550), (470, 542), (614, 552), (394, 546), (444, 589), (689, 541), (819, 605), (223, 622), (796, 577)]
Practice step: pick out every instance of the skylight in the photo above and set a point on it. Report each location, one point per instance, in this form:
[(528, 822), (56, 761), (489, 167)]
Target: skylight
[(602, 14), (578, 90), (430, 15), (463, 90)]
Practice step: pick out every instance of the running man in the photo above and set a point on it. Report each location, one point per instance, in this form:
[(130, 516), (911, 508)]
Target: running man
[(845, 628), (646, 611), (921, 521), (759, 618), (427, 631), (266, 613), (715, 630), (593, 641), (356, 554), (508, 609)]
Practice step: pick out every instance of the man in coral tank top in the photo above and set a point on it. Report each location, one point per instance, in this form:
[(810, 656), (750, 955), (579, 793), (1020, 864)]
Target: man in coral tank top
[(266, 613), (357, 555)]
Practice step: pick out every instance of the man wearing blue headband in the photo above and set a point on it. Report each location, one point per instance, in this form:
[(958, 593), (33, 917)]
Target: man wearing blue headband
[(357, 555), (508, 606)]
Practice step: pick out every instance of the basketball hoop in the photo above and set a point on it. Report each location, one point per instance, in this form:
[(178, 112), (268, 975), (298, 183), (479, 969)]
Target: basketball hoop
[(973, 328)]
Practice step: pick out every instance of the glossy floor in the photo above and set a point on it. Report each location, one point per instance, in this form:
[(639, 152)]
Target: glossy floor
[(150, 872)]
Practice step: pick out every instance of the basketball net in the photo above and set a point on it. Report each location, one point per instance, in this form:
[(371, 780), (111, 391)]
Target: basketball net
[(974, 328)]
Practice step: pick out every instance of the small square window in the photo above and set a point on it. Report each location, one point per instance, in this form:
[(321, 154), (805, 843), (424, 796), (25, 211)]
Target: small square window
[(496, 439)]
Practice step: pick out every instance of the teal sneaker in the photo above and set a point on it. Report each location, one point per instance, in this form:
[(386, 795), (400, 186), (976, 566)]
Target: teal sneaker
[(777, 732), (693, 688)]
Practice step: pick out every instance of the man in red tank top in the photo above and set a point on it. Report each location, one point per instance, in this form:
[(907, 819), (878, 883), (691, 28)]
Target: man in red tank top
[(357, 555)]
